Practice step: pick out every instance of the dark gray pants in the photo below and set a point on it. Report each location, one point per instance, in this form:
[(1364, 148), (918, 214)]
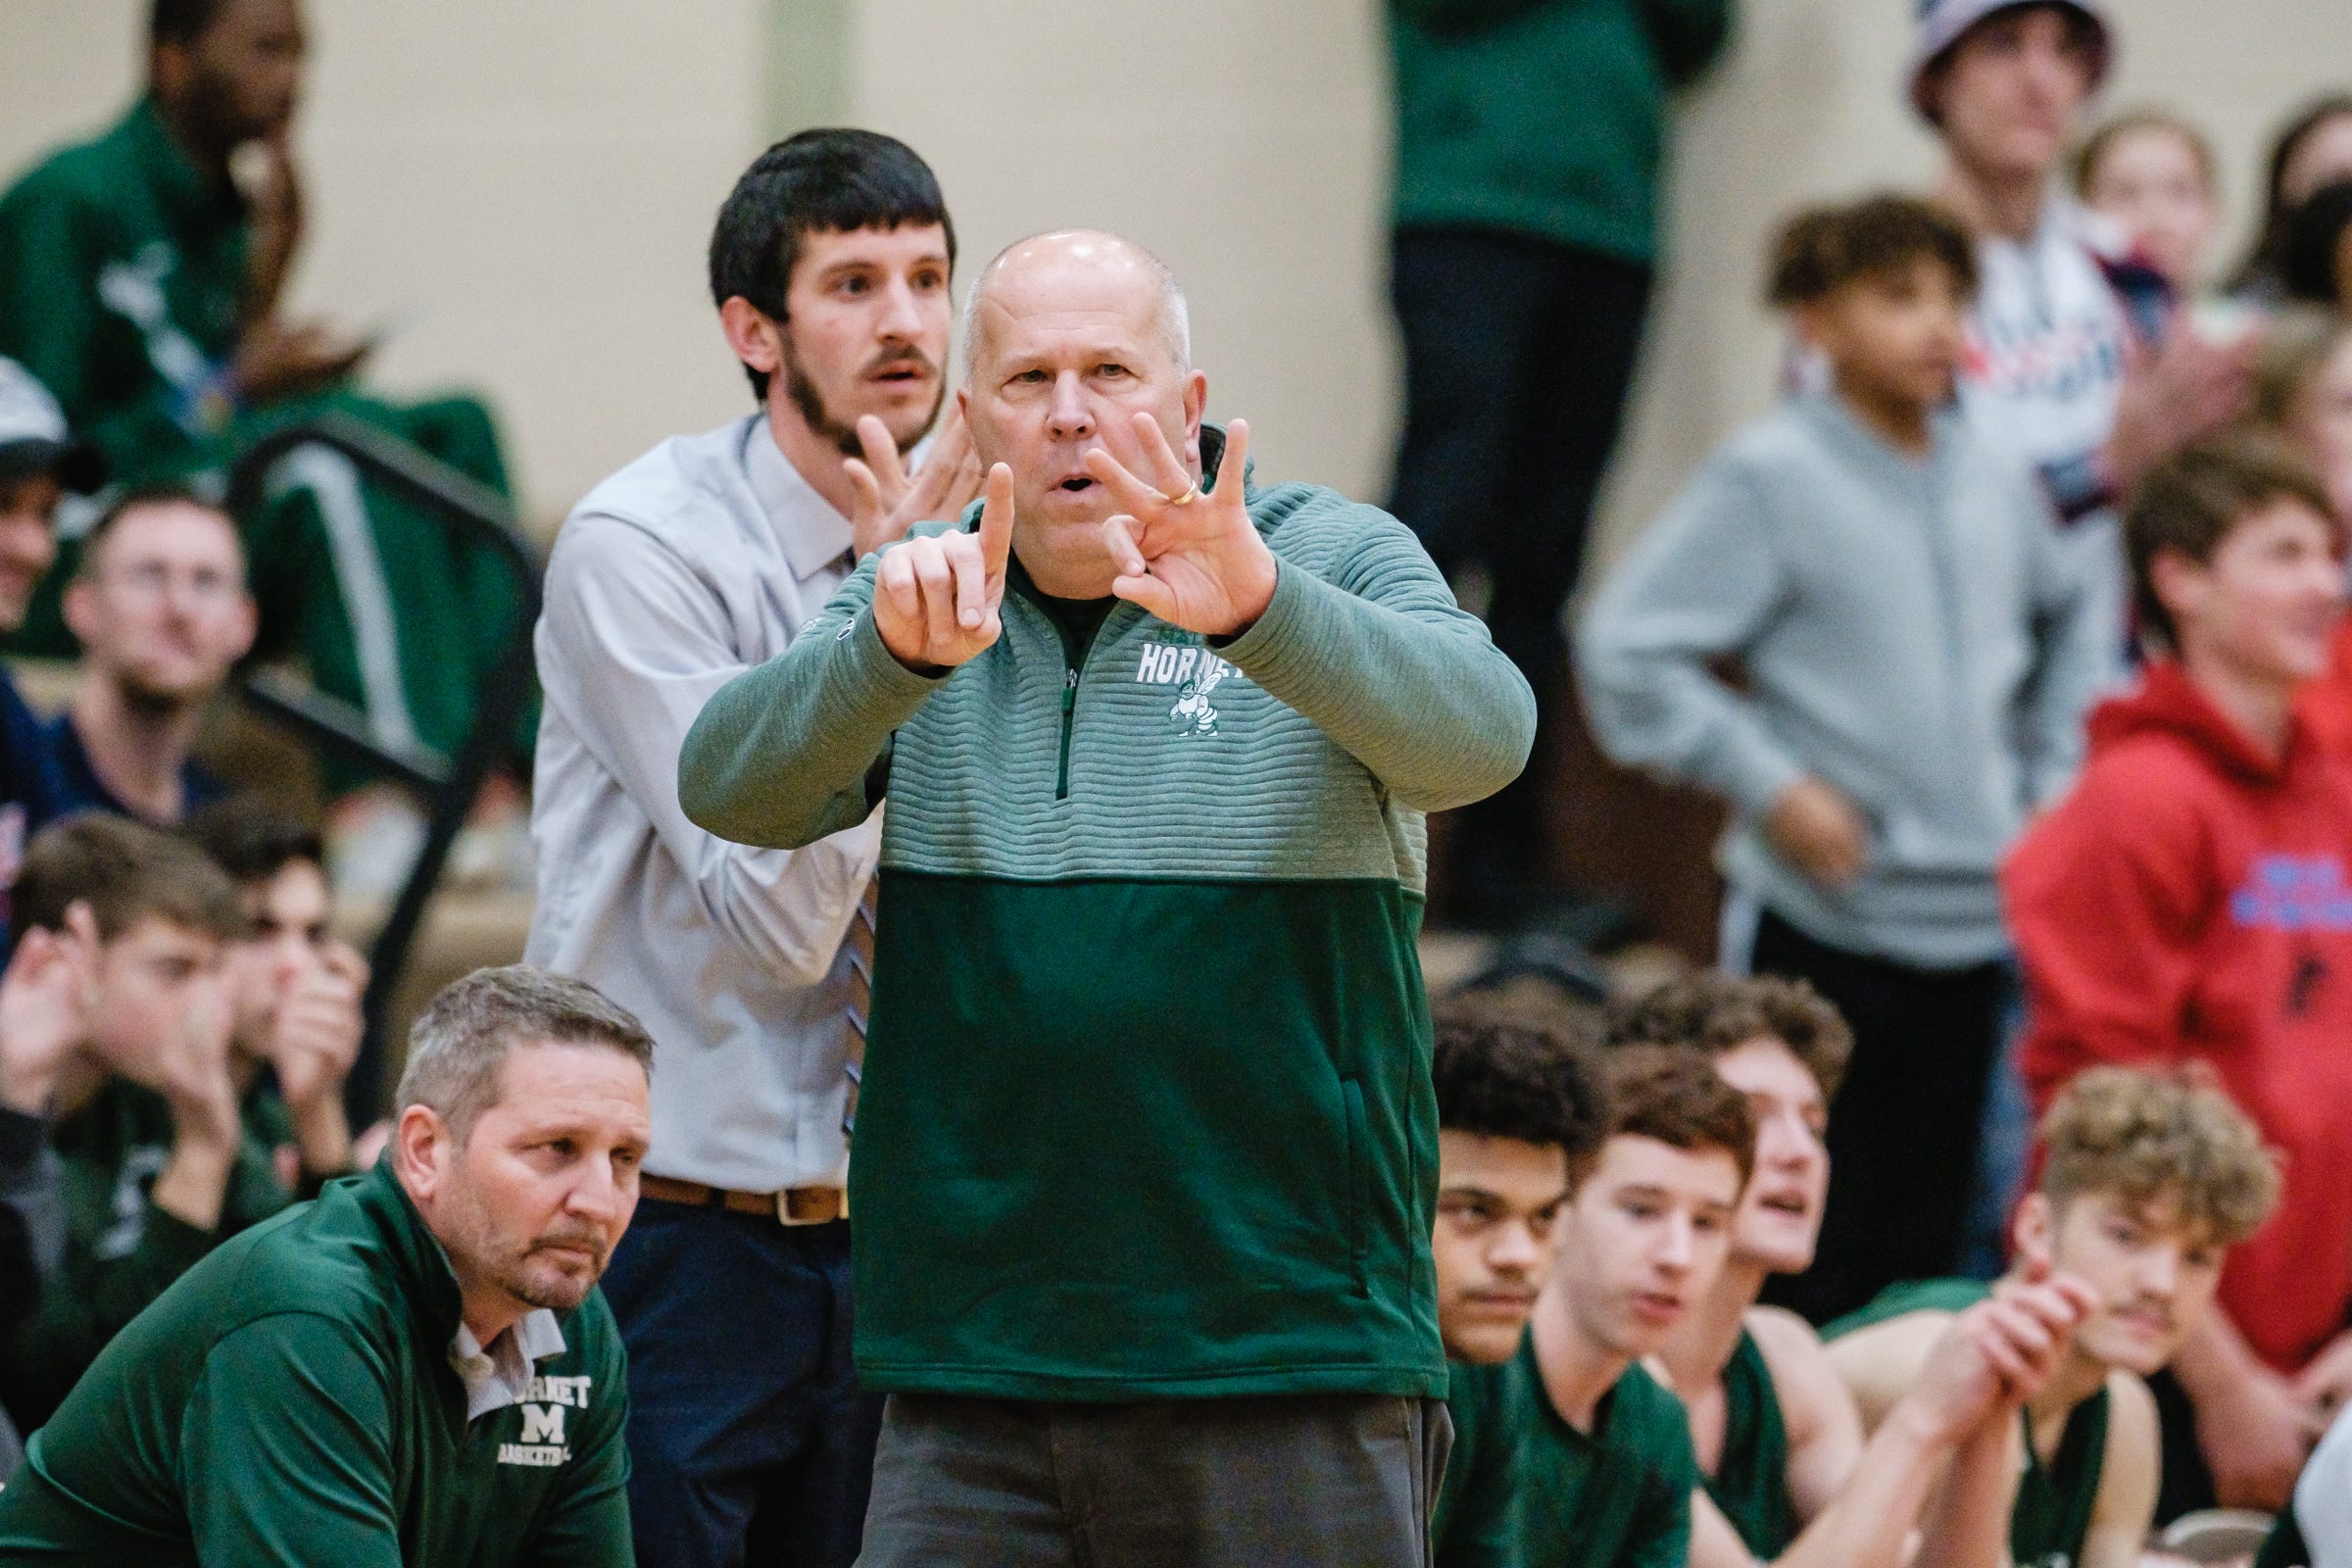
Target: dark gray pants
[(1304, 1481)]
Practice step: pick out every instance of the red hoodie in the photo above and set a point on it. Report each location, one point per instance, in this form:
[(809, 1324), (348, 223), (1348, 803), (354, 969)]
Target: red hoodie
[(2190, 901)]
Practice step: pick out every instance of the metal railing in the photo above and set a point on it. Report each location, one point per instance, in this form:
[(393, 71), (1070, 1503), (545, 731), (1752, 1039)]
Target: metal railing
[(447, 784)]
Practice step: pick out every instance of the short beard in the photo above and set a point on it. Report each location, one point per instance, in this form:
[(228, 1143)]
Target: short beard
[(477, 1246), (820, 420)]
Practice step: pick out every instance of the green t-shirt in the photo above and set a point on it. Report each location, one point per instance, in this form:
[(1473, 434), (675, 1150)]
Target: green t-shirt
[(1751, 1483), (1618, 1498), (2054, 1500), (292, 1399)]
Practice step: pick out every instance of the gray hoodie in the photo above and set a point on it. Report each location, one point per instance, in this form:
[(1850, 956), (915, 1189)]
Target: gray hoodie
[(1909, 631)]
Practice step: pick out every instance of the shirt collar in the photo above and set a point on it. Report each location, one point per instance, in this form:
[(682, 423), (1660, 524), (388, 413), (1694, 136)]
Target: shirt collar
[(501, 1374), (813, 535)]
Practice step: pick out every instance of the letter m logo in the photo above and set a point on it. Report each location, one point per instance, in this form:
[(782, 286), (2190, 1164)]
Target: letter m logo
[(542, 1423)]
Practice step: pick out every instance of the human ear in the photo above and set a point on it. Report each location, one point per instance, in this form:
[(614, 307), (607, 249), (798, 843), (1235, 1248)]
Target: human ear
[(752, 334)]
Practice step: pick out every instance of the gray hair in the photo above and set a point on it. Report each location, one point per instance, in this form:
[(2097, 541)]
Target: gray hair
[(464, 1033), (1175, 317)]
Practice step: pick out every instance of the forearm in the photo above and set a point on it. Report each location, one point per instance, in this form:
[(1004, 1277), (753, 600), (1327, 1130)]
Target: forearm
[(1868, 1523), (1968, 1524), (779, 755), (1432, 710), (323, 1135), (1664, 711), (2215, 1358), (194, 1184)]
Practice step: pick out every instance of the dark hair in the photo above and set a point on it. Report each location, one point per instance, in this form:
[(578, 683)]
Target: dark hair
[(2313, 246), (1502, 1073), (464, 1035), (1825, 248), (252, 840), (1676, 1097), (818, 181), (2189, 503), (1713, 1014), (182, 21), (2096, 146), (139, 497), (2270, 237), (126, 872)]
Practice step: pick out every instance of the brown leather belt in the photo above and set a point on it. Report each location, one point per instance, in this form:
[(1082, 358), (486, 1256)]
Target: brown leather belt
[(794, 1205)]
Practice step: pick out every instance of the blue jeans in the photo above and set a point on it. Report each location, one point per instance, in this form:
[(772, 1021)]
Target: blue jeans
[(750, 1443)]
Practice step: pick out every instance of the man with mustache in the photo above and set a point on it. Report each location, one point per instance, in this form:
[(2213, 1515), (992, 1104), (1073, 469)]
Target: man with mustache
[(415, 1369), (1142, 1262), (2147, 1181), (829, 269), (1788, 1475)]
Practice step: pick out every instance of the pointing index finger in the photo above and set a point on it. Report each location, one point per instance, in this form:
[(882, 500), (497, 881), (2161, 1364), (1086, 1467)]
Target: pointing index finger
[(996, 522)]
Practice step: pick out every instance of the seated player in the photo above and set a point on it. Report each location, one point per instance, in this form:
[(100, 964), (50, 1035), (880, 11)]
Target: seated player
[(1600, 1455), (2186, 903), (417, 1368), (1789, 1477), (297, 989), (160, 607), (157, 1166), (1522, 1109), (2146, 1183)]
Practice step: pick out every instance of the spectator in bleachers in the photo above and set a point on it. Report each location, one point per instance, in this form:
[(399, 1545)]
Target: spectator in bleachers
[(39, 463), (1788, 1475), (2303, 391), (142, 278), (1917, 661), (2153, 176), (1523, 1109), (2148, 1181), (417, 1368), (45, 997), (158, 1164), (2191, 901), (1529, 138), (2064, 368), (2315, 262), (829, 267), (160, 606), (297, 988), (2313, 149)]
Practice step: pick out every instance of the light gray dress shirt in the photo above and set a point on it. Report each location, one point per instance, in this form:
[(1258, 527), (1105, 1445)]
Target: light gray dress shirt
[(694, 564)]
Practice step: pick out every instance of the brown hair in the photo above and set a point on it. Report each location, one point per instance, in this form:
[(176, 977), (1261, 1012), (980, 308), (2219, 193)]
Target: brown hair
[(1714, 1013), (1823, 249), (2100, 141), (2296, 341), (2189, 503), (1675, 1095), (145, 498), (126, 872), (462, 1037), (2173, 1142), (2270, 235)]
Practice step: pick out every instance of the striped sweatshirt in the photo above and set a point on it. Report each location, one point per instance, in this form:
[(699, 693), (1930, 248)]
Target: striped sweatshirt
[(1146, 1108)]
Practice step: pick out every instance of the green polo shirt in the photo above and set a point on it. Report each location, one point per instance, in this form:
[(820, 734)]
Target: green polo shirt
[(1617, 1497), (293, 1400)]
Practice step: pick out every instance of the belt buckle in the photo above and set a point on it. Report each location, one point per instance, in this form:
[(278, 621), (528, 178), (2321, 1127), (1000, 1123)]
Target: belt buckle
[(811, 1205)]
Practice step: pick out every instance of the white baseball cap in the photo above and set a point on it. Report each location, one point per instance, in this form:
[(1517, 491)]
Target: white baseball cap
[(33, 437), (1943, 23)]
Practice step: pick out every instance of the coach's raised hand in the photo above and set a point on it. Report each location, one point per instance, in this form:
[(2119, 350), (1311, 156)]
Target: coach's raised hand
[(1195, 561), (936, 597)]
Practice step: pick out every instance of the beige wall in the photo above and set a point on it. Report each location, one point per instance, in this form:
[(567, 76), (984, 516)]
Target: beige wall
[(524, 186)]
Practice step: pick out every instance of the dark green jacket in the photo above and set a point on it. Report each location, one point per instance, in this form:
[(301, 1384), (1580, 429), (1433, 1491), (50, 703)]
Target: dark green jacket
[(291, 1401), (1147, 1106), (121, 1251), (122, 276), (1542, 117)]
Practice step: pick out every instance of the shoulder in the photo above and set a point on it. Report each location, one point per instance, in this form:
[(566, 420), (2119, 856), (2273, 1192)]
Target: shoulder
[(1312, 522), (1649, 1424), (2134, 1435), (79, 172), (676, 498), (1804, 1380)]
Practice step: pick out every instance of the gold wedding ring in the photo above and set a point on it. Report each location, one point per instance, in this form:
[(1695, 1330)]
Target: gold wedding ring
[(1189, 496)]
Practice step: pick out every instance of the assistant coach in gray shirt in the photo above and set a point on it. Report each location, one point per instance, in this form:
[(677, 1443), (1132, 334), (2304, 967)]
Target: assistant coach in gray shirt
[(830, 267)]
